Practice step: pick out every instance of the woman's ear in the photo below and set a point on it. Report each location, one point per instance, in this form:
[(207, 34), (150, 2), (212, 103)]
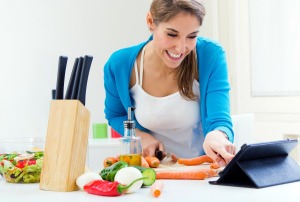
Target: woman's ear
[(150, 21)]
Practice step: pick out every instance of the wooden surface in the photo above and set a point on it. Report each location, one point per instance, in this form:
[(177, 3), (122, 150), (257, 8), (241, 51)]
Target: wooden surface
[(66, 145)]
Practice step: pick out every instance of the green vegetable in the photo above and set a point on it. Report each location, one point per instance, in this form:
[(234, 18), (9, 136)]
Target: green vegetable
[(39, 162), (31, 177), (37, 154), (110, 172), (8, 157), (148, 173)]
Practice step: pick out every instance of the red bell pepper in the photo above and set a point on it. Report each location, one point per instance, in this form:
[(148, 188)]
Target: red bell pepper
[(107, 188)]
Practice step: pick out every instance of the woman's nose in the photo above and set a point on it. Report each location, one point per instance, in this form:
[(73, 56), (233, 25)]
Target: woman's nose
[(181, 46)]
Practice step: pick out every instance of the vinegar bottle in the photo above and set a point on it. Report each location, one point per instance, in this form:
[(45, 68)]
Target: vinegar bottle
[(131, 147)]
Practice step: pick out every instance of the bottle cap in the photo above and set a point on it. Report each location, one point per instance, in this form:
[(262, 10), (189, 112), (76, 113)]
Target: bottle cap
[(129, 124)]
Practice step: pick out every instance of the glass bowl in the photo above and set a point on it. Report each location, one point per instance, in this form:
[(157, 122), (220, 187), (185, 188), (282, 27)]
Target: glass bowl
[(21, 159)]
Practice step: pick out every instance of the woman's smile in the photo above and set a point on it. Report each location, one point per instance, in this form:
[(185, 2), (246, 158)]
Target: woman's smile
[(173, 55)]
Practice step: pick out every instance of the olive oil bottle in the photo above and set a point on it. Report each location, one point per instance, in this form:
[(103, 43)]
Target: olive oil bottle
[(131, 151)]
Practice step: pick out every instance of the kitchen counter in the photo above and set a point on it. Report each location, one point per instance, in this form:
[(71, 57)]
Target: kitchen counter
[(174, 190)]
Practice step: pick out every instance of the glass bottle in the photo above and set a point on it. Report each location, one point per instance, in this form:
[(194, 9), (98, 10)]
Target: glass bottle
[(131, 147)]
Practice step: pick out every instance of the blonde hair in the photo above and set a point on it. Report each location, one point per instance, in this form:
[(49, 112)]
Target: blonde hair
[(163, 11)]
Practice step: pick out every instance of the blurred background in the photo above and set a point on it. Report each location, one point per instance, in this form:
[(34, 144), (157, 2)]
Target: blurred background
[(261, 39)]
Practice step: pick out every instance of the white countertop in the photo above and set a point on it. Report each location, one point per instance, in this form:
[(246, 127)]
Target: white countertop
[(174, 190)]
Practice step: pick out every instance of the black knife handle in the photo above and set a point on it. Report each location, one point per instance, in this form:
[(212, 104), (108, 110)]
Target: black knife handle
[(84, 78), (53, 94), (77, 79), (158, 154), (71, 81), (62, 64)]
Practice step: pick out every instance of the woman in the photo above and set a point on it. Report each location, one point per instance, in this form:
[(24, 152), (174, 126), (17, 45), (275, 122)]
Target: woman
[(178, 83)]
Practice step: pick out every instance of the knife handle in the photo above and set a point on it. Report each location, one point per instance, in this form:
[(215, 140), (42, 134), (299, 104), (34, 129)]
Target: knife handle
[(62, 64), (53, 94), (77, 79), (158, 154), (71, 81), (87, 61)]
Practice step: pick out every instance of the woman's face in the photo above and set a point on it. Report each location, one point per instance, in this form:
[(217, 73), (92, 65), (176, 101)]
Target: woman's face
[(175, 39)]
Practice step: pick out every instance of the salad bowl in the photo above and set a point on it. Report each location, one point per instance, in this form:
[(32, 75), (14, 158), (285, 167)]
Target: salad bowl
[(21, 159)]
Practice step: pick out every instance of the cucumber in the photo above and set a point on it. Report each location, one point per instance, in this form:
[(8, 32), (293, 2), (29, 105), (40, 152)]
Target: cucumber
[(149, 173)]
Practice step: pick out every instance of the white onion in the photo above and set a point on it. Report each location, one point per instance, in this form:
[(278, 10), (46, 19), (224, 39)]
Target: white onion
[(127, 175), (87, 178)]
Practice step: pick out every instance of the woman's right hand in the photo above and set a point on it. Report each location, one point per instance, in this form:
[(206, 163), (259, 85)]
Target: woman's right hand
[(149, 143)]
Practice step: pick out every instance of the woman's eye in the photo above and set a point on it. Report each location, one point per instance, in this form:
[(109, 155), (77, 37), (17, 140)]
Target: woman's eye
[(172, 35), (192, 37)]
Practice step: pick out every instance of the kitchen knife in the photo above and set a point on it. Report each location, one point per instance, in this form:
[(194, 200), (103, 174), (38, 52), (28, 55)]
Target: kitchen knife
[(159, 154), (166, 158), (62, 64), (84, 78), (77, 79), (71, 81)]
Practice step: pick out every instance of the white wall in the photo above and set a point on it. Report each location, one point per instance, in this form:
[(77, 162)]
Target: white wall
[(274, 116), (35, 33)]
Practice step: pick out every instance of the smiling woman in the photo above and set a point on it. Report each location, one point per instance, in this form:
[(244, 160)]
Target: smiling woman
[(178, 83)]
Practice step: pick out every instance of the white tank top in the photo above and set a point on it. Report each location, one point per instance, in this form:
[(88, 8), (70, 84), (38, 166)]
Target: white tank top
[(174, 121)]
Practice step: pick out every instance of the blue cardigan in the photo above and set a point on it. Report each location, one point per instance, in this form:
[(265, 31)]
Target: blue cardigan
[(213, 79)]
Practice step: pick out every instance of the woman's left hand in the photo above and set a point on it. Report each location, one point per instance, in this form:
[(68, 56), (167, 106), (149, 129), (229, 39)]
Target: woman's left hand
[(218, 147)]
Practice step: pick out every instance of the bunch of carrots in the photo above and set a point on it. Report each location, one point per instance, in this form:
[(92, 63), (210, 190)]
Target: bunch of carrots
[(196, 174)]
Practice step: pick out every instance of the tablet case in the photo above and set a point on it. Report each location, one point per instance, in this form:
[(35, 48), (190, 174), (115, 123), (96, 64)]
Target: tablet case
[(261, 165)]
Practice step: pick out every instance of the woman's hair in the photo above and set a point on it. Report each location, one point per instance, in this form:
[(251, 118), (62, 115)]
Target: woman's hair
[(163, 11)]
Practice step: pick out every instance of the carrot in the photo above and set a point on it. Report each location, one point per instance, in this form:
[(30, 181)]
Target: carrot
[(109, 161), (152, 161), (200, 174), (214, 165), (195, 161), (213, 173), (145, 164), (157, 188)]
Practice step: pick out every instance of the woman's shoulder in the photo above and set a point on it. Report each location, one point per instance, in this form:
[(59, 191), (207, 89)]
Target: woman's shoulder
[(122, 60), (208, 45)]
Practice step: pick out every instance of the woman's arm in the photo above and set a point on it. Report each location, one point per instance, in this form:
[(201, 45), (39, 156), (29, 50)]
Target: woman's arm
[(117, 98), (218, 125)]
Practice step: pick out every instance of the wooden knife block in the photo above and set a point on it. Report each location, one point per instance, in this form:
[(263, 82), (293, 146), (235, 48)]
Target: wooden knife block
[(66, 145)]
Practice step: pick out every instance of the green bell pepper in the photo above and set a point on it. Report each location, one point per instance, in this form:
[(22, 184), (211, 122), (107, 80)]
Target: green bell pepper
[(110, 172)]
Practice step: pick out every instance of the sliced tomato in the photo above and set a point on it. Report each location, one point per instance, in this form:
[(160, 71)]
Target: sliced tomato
[(21, 164), (31, 162)]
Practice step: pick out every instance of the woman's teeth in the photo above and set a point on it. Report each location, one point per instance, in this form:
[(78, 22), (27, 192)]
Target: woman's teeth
[(173, 55)]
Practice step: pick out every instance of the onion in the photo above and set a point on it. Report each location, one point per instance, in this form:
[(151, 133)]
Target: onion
[(127, 175), (87, 178)]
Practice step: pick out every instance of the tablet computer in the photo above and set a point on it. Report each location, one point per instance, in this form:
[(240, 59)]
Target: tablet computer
[(261, 165)]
